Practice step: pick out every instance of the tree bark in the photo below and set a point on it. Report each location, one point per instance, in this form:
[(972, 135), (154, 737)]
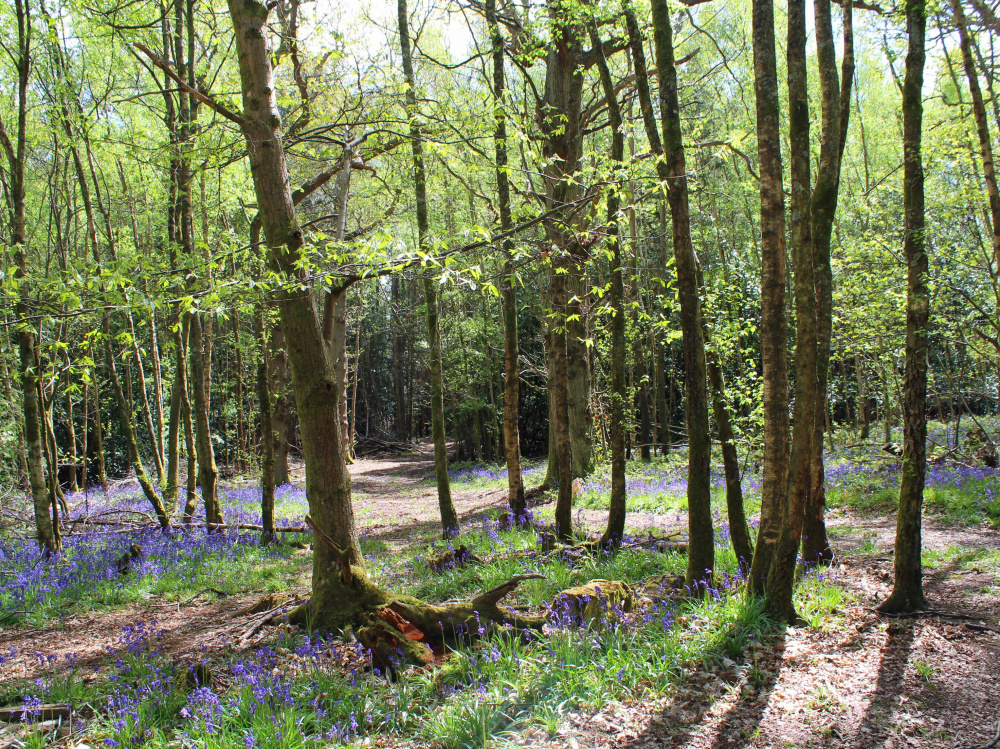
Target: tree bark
[(266, 438), (511, 389), (47, 531), (836, 98), (907, 594), (208, 473), (340, 588), (672, 171), (277, 370), (619, 392), (175, 423), (126, 424), (781, 576), (449, 517), (982, 125), (772, 324)]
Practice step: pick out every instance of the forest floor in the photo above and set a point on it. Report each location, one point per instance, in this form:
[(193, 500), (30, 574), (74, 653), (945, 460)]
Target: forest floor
[(850, 679)]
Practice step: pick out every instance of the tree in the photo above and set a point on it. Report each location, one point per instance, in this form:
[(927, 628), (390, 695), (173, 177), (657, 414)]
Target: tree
[(449, 518), (619, 393), (672, 172), (781, 576), (16, 152), (511, 391), (773, 352), (907, 592)]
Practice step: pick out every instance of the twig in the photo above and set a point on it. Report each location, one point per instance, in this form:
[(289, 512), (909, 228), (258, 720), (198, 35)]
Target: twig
[(203, 591), (990, 745)]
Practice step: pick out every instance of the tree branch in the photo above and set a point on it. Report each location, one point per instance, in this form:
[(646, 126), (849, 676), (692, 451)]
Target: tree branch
[(201, 96)]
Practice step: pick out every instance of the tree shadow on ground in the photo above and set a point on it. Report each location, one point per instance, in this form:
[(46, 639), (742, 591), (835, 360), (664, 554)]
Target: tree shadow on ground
[(876, 721), (739, 725)]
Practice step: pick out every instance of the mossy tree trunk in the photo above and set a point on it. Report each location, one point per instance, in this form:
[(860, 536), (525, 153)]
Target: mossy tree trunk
[(773, 327), (16, 155), (907, 593), (335, 601)]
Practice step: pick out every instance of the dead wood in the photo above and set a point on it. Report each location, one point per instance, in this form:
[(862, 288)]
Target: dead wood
[(407, 631), (252, 527), (452, 559), (41, 713)]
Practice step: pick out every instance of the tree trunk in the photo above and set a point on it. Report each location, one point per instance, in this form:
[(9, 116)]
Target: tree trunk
[(560, 122), (71, 428), (335, 307), (672, 171), (836, 98), (191, 480), (266, 438), (341, 590), (174, 423), (581, 418), (449, 517), (154, 346), (277, 369), (982, 125), (739, 530), (907, 594), (559, 412), (241, 438), (619, 392), (511, 389), (862, 408), (208, 473), (772, 324), (99, 463), (128, 429), (399, 362), (781, 577), (147, 410)]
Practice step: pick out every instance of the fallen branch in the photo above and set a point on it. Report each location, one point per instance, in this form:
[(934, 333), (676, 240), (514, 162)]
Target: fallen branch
[(252, 527), (203, 591)]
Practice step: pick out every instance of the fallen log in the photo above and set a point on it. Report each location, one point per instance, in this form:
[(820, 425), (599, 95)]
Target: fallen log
[(252, 527), (40, 713)]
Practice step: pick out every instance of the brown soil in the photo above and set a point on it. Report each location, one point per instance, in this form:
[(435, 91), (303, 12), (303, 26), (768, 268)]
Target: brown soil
[(864, 681)]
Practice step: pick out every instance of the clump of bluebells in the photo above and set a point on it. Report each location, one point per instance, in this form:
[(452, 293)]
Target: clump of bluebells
[(314, 689), (85, 569)]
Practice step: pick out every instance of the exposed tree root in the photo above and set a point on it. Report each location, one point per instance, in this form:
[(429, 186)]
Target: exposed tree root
[(399, 630), (408, 631)]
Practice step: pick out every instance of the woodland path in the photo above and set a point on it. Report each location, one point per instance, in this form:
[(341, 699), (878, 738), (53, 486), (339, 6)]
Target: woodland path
[(861, 683)]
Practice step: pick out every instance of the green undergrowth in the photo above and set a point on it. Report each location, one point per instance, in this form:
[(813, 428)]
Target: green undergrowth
[(303, 691), (954, 496)]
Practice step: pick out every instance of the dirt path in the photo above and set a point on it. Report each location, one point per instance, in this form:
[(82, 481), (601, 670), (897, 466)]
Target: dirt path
[(395, 501), (863, 682)]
